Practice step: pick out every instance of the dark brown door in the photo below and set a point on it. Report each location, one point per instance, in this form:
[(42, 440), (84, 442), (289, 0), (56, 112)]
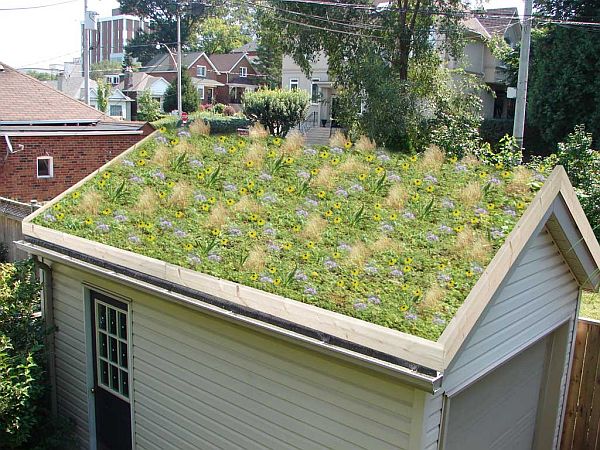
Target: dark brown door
[(110, 321)]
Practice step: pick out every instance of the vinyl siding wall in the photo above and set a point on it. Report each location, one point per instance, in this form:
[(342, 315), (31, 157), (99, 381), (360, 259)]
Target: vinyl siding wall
[(201, 382), (432, 420), (537, 296)]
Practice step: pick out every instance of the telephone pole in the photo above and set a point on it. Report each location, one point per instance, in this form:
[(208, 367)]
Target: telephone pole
[(521, 104), (86, 55)]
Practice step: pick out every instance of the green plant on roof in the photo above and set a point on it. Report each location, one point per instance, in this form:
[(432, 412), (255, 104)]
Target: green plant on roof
[(394, 240)]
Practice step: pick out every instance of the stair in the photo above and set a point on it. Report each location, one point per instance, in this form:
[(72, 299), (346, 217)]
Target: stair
[(317, 136)]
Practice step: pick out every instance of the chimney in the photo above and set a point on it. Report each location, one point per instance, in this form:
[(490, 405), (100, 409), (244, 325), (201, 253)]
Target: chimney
[(60, 80), (128, 79)]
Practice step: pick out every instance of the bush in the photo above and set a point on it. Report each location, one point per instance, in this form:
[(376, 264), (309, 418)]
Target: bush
[(229, 111), (148, 109), (189, 95), (218, 108), (277, 110), (492, 130)]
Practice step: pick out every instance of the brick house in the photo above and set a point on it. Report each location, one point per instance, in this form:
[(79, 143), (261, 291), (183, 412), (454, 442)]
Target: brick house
[(49, 141), (219, 78)]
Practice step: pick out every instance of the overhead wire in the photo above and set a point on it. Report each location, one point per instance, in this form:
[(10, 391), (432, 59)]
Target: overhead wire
[(23, 8)]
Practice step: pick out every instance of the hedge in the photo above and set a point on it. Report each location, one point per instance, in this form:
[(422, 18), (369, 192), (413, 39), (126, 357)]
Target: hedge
[(218, 124)]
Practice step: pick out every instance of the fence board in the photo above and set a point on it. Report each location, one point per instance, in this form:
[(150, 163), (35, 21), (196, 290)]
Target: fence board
[(581, 428)]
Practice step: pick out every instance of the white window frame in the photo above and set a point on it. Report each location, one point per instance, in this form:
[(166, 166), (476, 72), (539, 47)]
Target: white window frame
[(201, 92), (243, 72), (50, 160), (313, 83), (201, 71), (294, 84), (114, 106)]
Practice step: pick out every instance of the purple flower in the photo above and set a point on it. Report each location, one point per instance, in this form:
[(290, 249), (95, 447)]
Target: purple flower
[(265, 177), (510, 212), (219, 150), (161, 139), (431, 179), (408, 215), (135, 179), (330, 264), (200, 197), (126, 162), (476, 268), (344, 246), (432, 237), (301, 213), (393, 178), (266, 279), (269, 198), (303, 174), (357, 188), (180, 233), (371, 270), (341, 192), (273, 247), (448, 204), (443, 277), (183, 133), (397, 273), (134, 239), (300, 276), (360, 306), (309, 290), (159, 174), (103, 228), (481, 211), (374, 299), (120, 218), (337, 150), (460, 168), (495, 181), (235, 232), (165, 223), (446, 229), (497, 234), (383, 157), (310, 151), (438, 320), (213, 257), (196, 163), (194, 260), (410, 316), (539, 177), (311, 202), (386, 228), (229, 187), (269, 232)]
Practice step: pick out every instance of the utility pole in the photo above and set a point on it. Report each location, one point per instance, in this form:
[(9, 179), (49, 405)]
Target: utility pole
[(179, 107), (86, 55), (519, 123)]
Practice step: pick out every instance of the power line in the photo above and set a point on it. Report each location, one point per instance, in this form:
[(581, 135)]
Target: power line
[(21, 8)]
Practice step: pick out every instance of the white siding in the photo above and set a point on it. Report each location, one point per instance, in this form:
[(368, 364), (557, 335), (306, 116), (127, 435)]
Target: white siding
[(201, 382), (432, 419), (70, 352), (538, 295)]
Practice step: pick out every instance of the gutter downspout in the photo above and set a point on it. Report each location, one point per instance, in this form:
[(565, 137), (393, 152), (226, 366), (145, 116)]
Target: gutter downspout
[(8, 144), (48, 316)]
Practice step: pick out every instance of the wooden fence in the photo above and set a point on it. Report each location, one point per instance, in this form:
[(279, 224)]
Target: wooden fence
[(581, 427), (11, 215)]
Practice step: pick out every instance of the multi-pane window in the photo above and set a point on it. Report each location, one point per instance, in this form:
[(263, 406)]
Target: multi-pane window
[(243, 72), (116, 110), (293, 84), (45, 167), (112, 349), (201, 71)]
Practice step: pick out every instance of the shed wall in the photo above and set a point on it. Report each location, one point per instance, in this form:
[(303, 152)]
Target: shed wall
[(200, 382), (539, 294)]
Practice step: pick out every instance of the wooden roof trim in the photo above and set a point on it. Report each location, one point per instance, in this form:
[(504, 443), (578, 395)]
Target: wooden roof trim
[(534, 217)]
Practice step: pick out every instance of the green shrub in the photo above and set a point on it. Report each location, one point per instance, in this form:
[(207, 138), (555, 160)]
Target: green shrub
[(492, 130), (189, 94), (218, 108), (148, 109), (219, 124), (276, 109), (506, 153)]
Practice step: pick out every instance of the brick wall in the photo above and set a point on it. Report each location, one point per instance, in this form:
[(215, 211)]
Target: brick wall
[(74, 157)]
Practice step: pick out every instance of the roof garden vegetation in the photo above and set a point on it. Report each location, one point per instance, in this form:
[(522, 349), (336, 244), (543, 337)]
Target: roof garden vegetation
[(392, 239)]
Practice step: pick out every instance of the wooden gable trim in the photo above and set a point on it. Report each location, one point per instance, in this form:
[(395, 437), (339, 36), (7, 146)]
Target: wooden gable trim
[(534, 218), (239, 60), (209, 62)]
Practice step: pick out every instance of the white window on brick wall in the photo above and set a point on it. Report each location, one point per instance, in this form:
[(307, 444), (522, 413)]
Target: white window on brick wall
[(243, 72), (45, 167), (201, 92), (201, 71)]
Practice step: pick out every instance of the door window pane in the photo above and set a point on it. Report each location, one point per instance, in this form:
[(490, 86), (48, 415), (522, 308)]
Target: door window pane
[(101, 317), (124, 384), (123, 354), (113, 349), (112, 321), (104, 372), (103, 347), (122, 326)]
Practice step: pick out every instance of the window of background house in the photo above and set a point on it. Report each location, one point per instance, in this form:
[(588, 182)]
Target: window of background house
[(243, 72), (45, 167), (315, 92), (201, 92), (293, 84), (201, 71), (116, 110)]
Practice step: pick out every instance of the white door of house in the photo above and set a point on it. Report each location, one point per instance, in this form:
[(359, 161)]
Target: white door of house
[(500, 410)]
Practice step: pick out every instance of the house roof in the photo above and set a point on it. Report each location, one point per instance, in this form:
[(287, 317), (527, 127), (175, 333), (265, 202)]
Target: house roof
[(141, 81), (250, 47), (497, 20), (226, 62), (264, 228), (24, 99), (474, 25)]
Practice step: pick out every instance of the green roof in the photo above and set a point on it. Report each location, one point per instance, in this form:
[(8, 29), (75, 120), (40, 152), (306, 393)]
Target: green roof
[(391, 239)]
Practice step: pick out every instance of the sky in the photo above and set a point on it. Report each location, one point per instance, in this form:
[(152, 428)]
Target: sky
[(35, 38)]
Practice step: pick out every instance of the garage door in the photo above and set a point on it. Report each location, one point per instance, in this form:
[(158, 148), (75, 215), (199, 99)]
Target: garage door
[(499, 411)]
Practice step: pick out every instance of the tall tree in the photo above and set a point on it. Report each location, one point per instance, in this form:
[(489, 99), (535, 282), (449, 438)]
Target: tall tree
[(102, 95), (189, 95), (218, 35)]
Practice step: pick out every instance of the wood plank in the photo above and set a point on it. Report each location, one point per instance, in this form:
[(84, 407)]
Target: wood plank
[(594, 385), (574, 386)]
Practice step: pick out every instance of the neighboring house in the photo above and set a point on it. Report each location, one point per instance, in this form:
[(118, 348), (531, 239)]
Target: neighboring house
[(478, 60), (151, 354), (49, 141), (134, 83), (112, 35), (119, 104), (218, 78)]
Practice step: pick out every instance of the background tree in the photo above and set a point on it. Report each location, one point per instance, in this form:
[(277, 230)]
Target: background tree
[(42, 76), (189, 95), (269, 53), (220, 36), (100, 69), (148, 109), (102, 95), (277, 110)]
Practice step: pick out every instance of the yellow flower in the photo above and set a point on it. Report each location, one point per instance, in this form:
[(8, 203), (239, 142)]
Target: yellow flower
[(170, 184), (474, 221), (415, 197), (179, 214), (451, 284), (296, 228), (417, 292), (260, 222), (404, 287), (355, 272), (241, 143), (335, 161), (277, 281), (289, 160), (430, 188), (469, 273), (106, 211), (340, 283), (305, 256), (321, 194), (378, 205), (106, 175), (88, 221), (418, 182), (162, 194), (208, 170), (337, 205), (260, 192), (403, 307), (286, 245), (370, 158), (483, 174), (143, 154), (355, 283), (407, 269), (212, 200), (376, 217), (408, 260), (252, 234), (57, 207), (254, 277), (224, 241), (243, 191), (272, 269), (151, 238), (174, 141), (253, 217), (347, 145), (456, 213), (459, 228), (231, 150), (249, 164), (75, 195), (328, 213), (337, 255), (222, 139), (272, 154), (441, 266), (310, 244), (520, 205), (393, 216), (200, 176), (405, 166), (60, 216), (314, 171), (229, 202), (379, 170), (188, 247), (491, 206), (362, 177), (277, 141), (324, 154), (102, 183), (205, 207), (453, 159), (499, 165), (215, 232), (337, 220), (392, 262), (250, 184), (290, 189), (162, 129)]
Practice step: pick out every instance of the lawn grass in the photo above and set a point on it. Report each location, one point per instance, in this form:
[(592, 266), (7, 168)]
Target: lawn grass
[(395, 240), (590, 306)]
